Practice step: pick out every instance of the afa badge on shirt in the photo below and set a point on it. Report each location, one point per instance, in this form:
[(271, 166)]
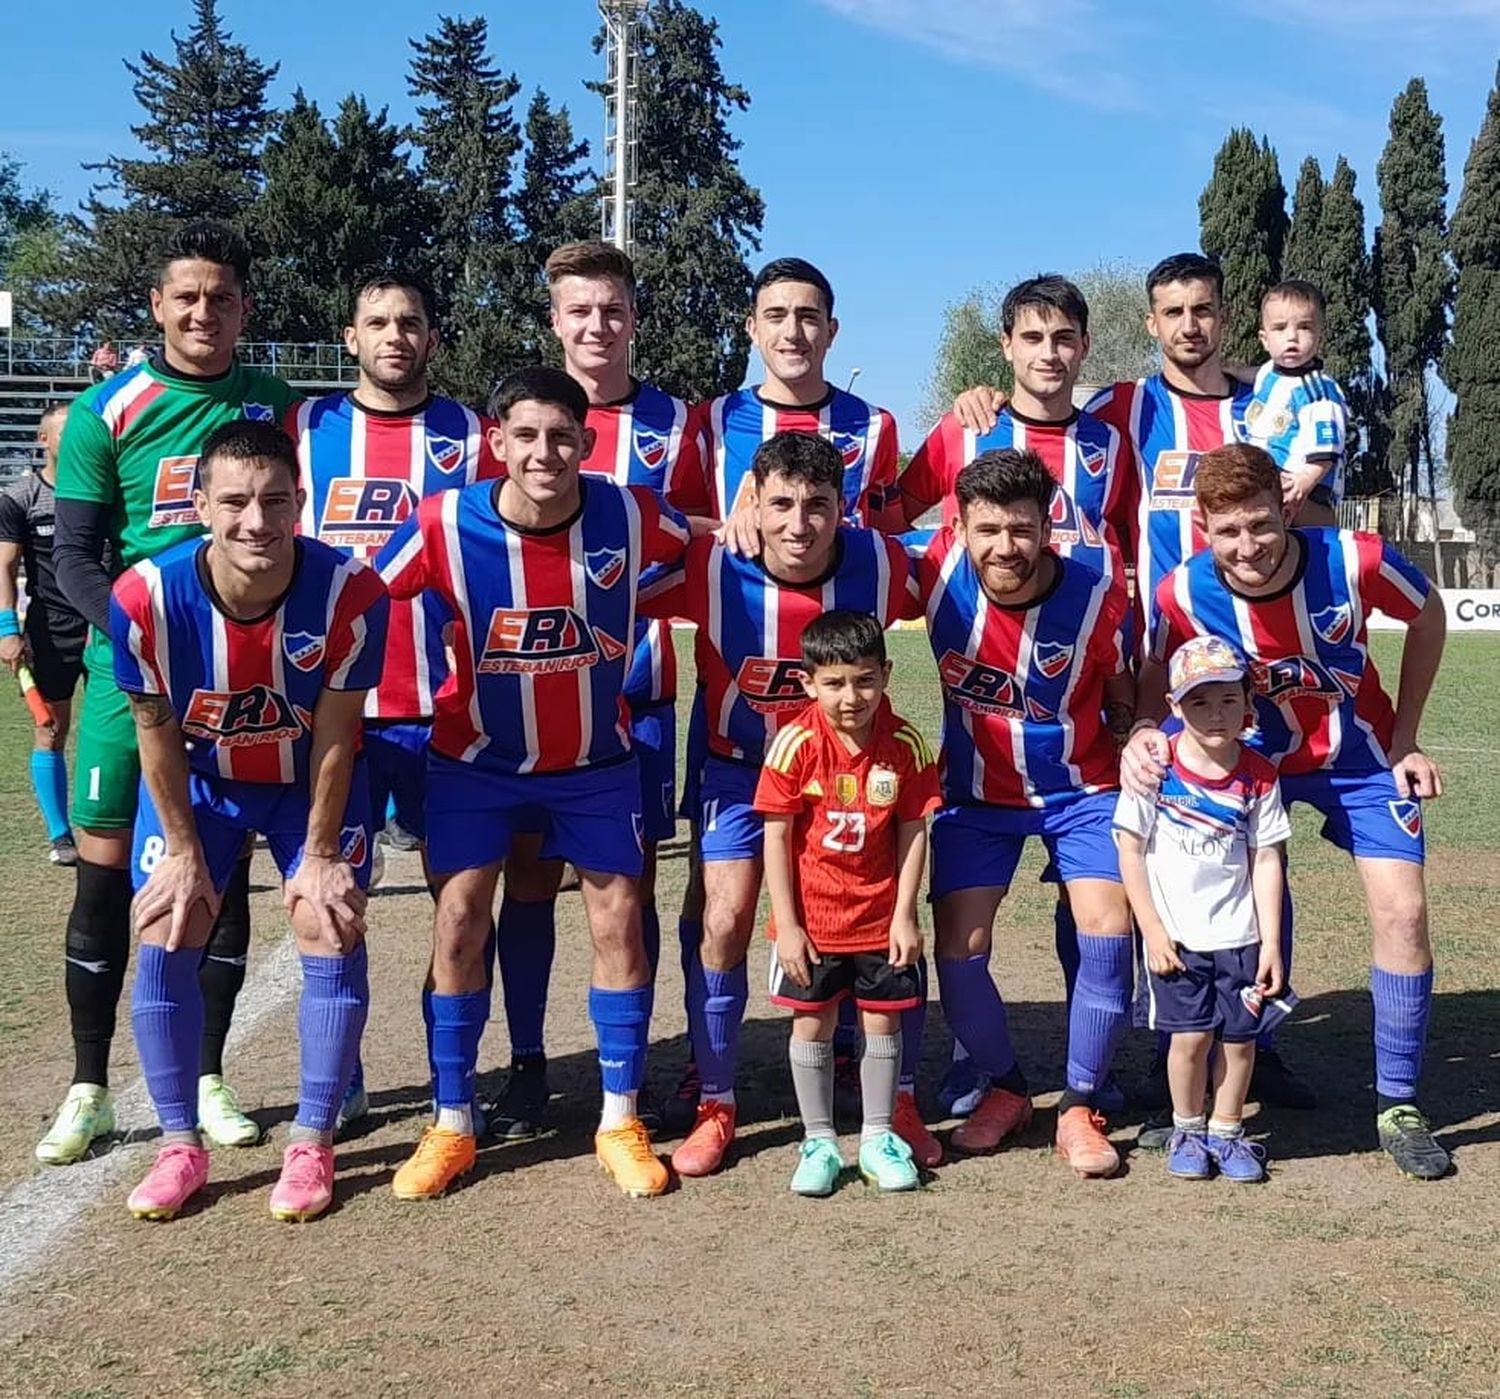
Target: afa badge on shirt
[(881, 786)]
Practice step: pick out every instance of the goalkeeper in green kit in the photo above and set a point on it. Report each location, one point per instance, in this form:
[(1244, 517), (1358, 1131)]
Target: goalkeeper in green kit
[(125, 480)]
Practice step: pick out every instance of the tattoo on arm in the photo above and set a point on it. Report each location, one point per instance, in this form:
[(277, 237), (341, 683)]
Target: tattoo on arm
[(151, 711)]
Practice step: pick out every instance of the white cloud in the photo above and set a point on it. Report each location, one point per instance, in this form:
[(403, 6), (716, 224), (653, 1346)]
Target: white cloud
[(1060, 46)]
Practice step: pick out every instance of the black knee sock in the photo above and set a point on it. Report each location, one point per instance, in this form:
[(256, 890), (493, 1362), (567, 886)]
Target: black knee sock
[(97, 950), (222, 971)]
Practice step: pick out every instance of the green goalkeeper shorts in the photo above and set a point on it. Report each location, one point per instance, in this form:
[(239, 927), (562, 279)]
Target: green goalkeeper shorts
[(107, 766)]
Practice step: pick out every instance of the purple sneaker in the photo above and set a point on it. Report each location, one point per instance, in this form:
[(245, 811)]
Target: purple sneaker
[(1187, 1156), (1238, 1158)]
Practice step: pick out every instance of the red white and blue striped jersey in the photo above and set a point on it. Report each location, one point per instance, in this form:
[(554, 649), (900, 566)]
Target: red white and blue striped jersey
[(1167, 431), (542, 620), (716, 479), (364, 472), (1319, 704), (647, 439), (1091, 508), (244, 693), (1023, 687), (749, 644)]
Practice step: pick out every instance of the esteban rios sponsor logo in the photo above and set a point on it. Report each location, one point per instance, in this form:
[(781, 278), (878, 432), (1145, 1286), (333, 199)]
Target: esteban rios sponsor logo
[(244, 718), (172, 493), (1070, 527), (979, 687), (363, 512), (770, 686), (303, 649), (1172, 480), (1293, 677), (543, 641)]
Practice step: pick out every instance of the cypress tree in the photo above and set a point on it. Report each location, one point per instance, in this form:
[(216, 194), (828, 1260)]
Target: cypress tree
[(1472, 363), (1303, 256), (1242, 213)]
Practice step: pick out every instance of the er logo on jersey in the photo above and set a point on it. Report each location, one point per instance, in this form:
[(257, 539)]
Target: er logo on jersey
[(172, 493), (980, 688), (1293, 677), (1172, 480), (770, 686), (1069, 526), (241, 718), (543, 641), (362, 512)]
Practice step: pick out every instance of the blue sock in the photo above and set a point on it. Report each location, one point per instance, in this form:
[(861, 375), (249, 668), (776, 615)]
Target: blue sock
[(727, 995), (1402, 1005), (457, 1026), (975, 1012), (1267, 1038), (913, 1026), (1101, 1007), (330, 1020), (846, 1031), (694, 991), (1065, 937), (49, 779), (651, 936), (526, 939), (621, 1022), (166, 1010)]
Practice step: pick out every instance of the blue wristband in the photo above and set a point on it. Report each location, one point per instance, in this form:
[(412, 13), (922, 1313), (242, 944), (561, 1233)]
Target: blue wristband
[(10, 624)]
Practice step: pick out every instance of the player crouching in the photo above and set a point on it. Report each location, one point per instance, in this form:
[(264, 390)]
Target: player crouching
[(845, 793), (246, 658)]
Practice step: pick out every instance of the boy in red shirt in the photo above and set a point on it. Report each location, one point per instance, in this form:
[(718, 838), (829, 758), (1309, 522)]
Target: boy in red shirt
[(845, 791)]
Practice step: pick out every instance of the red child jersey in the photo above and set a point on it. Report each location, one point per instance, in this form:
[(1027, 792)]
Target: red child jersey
[(848, 808)]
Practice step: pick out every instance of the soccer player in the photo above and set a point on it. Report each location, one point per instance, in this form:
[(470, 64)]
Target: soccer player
[(1297, 602), (1030, 654), (125, 480), (538, 575), (642, 437), (1298, 413), (51, 644), (750, 613), (367, 457), (845, 793), (246, 658)]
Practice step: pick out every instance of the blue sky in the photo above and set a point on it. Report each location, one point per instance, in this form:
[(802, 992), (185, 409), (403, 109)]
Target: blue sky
[(913, 148)]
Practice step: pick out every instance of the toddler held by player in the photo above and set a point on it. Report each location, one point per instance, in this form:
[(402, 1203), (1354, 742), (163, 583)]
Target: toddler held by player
[(1201, 864), (845, 792), (1298, 413)]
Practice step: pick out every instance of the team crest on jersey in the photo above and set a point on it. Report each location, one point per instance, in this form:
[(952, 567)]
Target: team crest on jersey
[(880, 786), (650, 447), (979, 687), (543, 641), (1408, 815), (605, 566), (1172, 480), (1051, 658), (303, 649), (362, 512), (846, 788), (445, 453), (1334, 623), (1091, 457), (172, 493), (242, 718), (354, 845), (1293, 677), (259, 412), (850, 447), (771, 686)]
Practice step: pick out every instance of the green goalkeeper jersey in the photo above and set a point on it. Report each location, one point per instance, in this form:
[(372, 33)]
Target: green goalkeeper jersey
[(132, 443)]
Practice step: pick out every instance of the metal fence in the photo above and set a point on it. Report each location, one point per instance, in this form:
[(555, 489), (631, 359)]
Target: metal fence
[(65, 357)]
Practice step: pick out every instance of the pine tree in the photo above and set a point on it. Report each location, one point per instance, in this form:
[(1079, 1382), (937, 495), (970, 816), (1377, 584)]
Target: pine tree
[(1413, 280), (1303, 256), (697, 219), (467, 134), (339, 198), (1472, 363), (1344, 276), (30, 246), (1243, 215), (205, 120)]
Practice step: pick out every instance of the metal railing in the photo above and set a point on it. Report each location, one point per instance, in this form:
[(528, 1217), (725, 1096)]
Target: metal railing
[(71, 357)]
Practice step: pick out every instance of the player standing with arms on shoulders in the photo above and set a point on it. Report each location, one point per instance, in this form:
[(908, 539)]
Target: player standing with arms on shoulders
[(125, 481), (246, 658), (538, 575)]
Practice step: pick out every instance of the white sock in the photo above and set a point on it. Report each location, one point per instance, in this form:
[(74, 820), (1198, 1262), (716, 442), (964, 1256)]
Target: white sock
[(726, 1097), (619, 1108), (1216, 1128), (459, 1120)]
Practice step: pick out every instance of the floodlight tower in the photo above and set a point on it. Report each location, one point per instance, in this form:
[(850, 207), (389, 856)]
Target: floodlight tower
[(621, 26)]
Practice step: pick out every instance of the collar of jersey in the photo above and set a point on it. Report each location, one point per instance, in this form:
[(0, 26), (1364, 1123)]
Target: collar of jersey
[(200, 566), (1038, 600), (159, 367), (1059, 423), (1197, 778), (635, 393), (882, 722), (833, 567), (1205, 397), (540, 531), (817, 407), (1313, 366), (422, 407), (1297, 537)]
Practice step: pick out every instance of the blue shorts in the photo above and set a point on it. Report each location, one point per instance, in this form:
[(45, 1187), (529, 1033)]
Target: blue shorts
[(588, 816), (396, 759), (225, 812), (1207, 995), (653, 735), (979, 847), (696, 756), (1362, 814), (729, 827)]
